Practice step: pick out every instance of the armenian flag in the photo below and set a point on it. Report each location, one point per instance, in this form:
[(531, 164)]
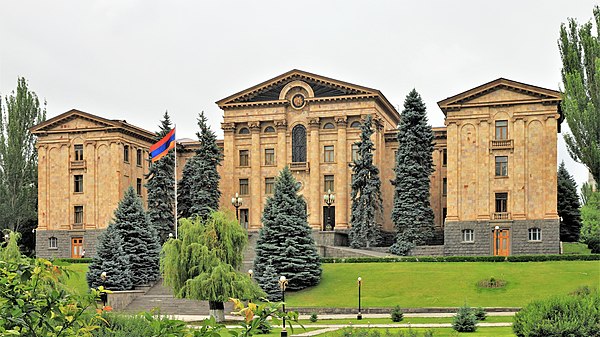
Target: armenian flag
[(162, 147)]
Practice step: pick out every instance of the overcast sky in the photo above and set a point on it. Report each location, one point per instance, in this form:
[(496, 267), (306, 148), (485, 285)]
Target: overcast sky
[(135, 59)]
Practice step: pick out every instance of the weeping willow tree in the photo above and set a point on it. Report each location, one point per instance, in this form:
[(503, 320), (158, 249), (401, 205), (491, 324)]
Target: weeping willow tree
[(202, 263)]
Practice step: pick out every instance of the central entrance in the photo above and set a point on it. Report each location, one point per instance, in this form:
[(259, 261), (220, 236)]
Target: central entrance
[(501, 241)]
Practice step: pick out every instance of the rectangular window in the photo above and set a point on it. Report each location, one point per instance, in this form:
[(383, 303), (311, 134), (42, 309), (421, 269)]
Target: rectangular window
[(444, 186), (244, 157), (501, 202), (444, 157), (138, 157), (328, 156), (354, 152), (53, 243), (78, 152), (328, 183), (78, 214), (501, 166), (78, 183), (269, 184), (501, 130), (244, 217), (126, 153), (467, 235), (269, 156), (535, 234), (244, 188), (138, 186)]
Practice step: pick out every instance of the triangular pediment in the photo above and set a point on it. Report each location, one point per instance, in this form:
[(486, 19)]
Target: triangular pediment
[(321, 86), (73, 120), (499, 92)]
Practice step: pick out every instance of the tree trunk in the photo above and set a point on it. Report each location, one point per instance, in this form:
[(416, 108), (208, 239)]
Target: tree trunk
[(216, 310)]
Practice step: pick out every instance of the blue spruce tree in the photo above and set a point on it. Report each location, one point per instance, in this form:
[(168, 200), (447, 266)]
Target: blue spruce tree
[(111, 260), (412, 215), (366, 193), (285, 240), (161, 188)]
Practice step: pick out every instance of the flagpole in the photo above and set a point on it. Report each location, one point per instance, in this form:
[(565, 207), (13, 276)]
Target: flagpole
[(175, 176)]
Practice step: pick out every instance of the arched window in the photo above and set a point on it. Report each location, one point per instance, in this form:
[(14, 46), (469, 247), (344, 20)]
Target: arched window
[(244, 131), (355, 124), (328, 126), (299, 144), (269, 129), (534, 234)]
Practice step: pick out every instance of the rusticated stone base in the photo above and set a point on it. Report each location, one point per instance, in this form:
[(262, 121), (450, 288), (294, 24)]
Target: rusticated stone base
[(63, 237)]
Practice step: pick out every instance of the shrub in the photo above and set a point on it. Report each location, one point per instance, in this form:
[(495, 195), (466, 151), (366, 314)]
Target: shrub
[(594, 245), (480, 314), (491, 282), (464, 320), (573, 316), (397, 314), (313, 317)]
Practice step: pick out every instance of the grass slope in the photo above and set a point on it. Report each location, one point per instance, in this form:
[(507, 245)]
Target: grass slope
[(438, 284), (75, 280), (576, 248)]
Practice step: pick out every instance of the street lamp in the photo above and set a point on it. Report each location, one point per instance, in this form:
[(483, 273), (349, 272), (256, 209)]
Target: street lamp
[(359, 316), (236, 202), (250, 273), (170, 236), (329, 200), (496, 229), (282, 284), (103, 295)]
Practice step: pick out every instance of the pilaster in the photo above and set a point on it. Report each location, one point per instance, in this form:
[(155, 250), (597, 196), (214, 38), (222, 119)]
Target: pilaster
[(281, 126), (341, 176), (452, 172), (227, 183), (256, 178), (314, 211)]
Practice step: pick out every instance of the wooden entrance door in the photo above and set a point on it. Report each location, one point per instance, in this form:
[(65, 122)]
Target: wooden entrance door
[(76, 247), (501, 242)]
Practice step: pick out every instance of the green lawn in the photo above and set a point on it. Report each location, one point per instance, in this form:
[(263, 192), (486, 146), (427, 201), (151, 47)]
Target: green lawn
[(576, 248), (447, 332), (438, 284), (406, 320), (75, 279)]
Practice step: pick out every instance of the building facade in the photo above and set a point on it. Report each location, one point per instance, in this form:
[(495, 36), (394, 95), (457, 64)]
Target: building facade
[(493, 190)]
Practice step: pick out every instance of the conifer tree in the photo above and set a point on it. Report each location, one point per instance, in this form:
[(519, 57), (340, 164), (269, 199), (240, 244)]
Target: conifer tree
[(202, 263), (199, 192), (269, 281), (366, 193), (161, 188), (285, 239), (140, 242), (568, 206), (111, 259), (412, 215)]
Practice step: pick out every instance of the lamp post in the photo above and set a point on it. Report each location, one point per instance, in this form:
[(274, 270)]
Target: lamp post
[(496, 230), (250, 273), (282, 284), (236, 202), (170, 236), (359, 316), (103, 295), (329, 200)]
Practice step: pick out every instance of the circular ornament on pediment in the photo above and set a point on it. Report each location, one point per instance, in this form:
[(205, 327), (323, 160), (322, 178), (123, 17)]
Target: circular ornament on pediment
[(298, 101)]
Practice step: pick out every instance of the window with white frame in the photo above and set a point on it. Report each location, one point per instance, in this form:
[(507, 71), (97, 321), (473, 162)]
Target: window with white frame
[(467, 235), (53, 243), (535, 234)]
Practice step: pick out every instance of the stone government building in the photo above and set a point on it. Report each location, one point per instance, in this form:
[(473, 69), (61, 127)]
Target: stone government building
[(493, 191)]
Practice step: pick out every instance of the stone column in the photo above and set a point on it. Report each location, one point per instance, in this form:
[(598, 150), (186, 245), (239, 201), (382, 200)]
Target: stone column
[(453, 146), (341, 176), (228, 184), (550, 167), (281, 126), (314, 203), (485, 171), (516, 169), (255, 204)]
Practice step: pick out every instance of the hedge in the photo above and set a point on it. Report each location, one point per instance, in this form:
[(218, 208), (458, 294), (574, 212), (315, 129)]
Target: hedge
[(515, 258), (70, 260)]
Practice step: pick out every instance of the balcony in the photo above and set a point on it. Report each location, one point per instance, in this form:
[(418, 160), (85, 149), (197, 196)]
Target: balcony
[(299, 166), (501, 216), (501, 144), (77, 165), (76, 226)]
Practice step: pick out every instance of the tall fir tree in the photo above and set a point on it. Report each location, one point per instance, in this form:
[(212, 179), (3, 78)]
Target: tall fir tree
[(367, 204), (140, 241), (110, 259), (199, 192), (568, 206), (412, 215), (161, 188), (285, 239)]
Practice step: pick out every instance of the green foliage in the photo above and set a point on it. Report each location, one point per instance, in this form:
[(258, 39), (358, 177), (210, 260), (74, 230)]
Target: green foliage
[(412, 215), (269, 282), (397, 314), (580, 53), (480, 314), (590, 216), (112, 260), (586, 191), (257, 316), (514, 258), (370, 332), (10, 251), (18, 158), (367, 205), (574, 316), (575, 248), (198, 193), (568, 205), (202, 263), (464, 320), (161, 188), (314, 317), (285, 240), (140, 242), (86, 260), (153, 324)]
